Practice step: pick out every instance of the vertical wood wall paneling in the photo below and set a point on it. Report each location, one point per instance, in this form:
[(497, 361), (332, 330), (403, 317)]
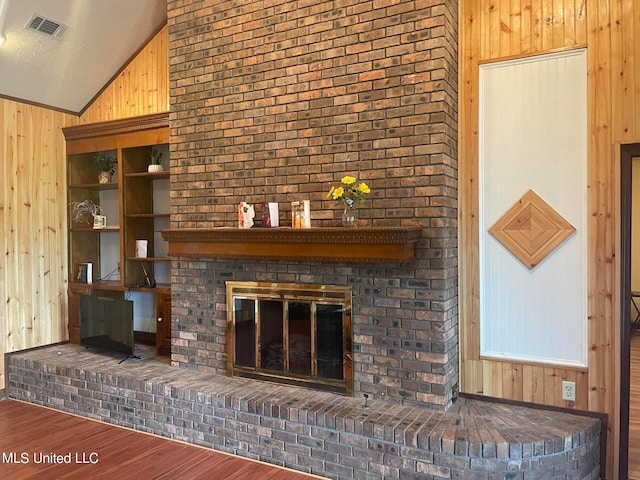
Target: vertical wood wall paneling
[(609, 30), (33, 273), (140, 89), (8, 123), (603, 221), (471, 368), (624, 61)]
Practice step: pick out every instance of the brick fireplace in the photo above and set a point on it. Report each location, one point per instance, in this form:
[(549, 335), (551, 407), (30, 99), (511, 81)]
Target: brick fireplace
[(276, 101)]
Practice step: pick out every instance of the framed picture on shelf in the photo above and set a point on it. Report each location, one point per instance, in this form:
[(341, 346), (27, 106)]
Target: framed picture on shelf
[(301, 214), (84, 273)]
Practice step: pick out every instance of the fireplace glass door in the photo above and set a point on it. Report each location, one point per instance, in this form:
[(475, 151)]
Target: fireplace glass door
[(292, 334)]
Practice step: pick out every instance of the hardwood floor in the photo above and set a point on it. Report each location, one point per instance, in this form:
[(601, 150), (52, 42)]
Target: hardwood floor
[(52, 444), (634, 409)]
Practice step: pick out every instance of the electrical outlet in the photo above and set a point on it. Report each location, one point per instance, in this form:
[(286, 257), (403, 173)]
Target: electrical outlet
[(569, 391)]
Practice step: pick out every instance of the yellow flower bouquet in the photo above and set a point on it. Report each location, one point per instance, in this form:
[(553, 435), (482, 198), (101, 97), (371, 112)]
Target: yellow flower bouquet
[(349, 191)]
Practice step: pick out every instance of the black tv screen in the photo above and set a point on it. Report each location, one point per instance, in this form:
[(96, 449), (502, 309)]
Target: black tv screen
[(106, 324)]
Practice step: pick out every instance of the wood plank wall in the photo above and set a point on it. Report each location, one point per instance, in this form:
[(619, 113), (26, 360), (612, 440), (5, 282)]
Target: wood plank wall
[(141, 88), (33, 240), (496, 30)]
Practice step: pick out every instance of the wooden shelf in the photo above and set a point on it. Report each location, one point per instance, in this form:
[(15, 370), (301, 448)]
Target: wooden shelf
[(158, 287), (366, 244), (154, 175), (150, 259), (147, 215), (117, 286), (95, 230), (95, 186)]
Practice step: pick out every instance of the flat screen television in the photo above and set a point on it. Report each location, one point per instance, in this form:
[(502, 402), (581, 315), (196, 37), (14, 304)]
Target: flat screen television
[(107, 324)]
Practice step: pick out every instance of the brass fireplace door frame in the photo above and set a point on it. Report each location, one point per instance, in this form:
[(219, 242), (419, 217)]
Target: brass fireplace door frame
[(287, 292)]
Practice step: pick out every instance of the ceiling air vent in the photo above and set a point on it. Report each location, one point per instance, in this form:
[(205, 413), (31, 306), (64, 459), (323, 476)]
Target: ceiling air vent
[(46, 26)]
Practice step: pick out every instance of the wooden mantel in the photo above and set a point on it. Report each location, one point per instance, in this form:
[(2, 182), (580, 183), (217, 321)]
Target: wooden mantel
[(365, 244)]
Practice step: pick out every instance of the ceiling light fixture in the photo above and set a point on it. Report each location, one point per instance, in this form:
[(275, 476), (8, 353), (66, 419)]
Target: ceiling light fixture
[(3, 13)]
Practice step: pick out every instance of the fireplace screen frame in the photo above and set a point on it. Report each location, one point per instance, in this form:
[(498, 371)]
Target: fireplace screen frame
[(289, 293)]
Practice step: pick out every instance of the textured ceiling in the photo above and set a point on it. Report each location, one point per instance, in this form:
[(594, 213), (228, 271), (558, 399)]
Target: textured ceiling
[(67, 73)]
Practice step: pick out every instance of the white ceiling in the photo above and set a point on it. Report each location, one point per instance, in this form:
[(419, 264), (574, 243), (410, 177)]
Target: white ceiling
[(66, 73)]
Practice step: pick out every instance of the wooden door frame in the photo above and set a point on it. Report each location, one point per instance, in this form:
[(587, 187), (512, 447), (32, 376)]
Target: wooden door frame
[(627, 153)]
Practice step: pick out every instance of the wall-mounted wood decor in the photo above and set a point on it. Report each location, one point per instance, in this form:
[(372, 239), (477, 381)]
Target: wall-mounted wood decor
[(531, 229)]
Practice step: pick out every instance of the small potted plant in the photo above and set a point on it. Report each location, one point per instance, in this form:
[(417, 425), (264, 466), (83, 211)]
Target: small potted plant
[(106, 166), (155, 165), (88, 212)]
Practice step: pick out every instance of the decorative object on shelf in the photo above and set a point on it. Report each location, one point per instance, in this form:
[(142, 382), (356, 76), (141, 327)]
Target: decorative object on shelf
[(149, 281), (88, 212), (99, 221), (270, 214), (106, 165), (141, 248), (155, 165), (246, 214), (84, 273), (301, 214), (350, 193)]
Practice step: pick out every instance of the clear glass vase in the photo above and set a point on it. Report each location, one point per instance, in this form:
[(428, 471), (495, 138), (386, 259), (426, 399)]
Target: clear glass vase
[(350, 215)]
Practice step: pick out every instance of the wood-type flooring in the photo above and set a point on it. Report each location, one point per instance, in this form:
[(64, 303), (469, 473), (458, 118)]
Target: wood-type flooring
[(41, 443)]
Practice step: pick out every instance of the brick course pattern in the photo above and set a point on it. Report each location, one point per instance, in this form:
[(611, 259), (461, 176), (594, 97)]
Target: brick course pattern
[(316, 432), (276, 100)]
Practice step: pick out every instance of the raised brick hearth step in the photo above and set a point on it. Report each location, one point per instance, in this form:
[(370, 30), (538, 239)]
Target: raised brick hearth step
[(323, 433)]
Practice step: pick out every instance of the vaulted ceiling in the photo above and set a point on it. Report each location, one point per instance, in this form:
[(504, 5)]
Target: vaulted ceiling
[(62, 53)]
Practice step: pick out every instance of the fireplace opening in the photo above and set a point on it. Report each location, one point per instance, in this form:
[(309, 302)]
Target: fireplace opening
[(292, 334)]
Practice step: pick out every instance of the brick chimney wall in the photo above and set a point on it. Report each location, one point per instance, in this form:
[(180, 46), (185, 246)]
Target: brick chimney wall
[(277, 100)]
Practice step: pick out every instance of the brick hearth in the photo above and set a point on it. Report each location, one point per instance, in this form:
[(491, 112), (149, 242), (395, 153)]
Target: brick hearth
[(317, 432)]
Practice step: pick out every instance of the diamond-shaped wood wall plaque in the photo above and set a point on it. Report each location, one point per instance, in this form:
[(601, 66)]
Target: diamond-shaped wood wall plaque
[(531, 229)]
